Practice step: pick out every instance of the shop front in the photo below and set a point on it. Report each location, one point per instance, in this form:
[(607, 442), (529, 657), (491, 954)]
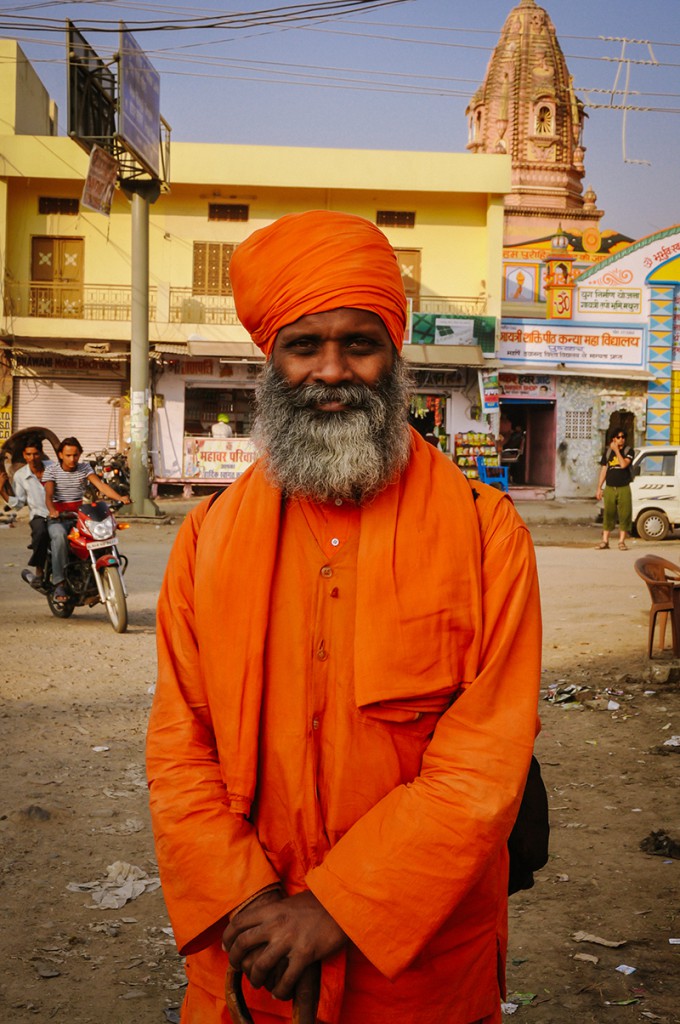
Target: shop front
[(192, 395), (562, 387), (527, 427), (72, 395)]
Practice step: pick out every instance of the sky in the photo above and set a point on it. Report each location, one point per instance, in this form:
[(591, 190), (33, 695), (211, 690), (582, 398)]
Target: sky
[(389, 74)]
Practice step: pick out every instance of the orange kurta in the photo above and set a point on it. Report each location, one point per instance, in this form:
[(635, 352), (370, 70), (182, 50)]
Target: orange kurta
[(393, 808)]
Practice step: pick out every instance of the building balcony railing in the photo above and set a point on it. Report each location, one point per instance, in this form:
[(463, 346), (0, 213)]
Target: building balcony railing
[(187, 308), (69, 301), (453, 305)]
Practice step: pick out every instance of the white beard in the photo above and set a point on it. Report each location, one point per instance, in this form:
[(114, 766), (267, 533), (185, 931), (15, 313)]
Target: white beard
[(317, 455)]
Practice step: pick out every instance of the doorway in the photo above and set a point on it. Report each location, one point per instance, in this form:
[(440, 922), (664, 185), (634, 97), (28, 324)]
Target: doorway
[(534, 421)]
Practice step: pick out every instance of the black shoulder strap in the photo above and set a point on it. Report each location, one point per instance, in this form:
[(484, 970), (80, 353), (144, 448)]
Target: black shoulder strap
[(215, 496)]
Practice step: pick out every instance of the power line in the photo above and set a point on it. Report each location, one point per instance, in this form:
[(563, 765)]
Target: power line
[(288, 14)]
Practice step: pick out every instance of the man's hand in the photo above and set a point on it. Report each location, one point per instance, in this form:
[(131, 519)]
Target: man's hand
[(272, 941)]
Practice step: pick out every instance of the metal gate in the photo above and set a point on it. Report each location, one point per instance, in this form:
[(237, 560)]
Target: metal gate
[(70, 408)]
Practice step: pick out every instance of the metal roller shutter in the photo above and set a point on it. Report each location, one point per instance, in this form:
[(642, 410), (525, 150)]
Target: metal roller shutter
[(70, 408)]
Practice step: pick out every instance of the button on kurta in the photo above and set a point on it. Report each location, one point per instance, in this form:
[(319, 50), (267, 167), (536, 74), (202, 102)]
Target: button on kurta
[(335, 542), (327, 571)]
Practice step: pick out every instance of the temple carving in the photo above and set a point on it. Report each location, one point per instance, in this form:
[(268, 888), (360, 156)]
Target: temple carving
[(527, 107)]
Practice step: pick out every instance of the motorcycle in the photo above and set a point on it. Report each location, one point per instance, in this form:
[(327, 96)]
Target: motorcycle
[(95, 567), (112, 468)]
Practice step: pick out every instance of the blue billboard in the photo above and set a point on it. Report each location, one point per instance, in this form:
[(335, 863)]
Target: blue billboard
[(139, 104)]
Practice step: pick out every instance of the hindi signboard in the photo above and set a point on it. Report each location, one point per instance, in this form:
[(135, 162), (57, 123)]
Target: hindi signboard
[(621, 301), (139, 104), (598, 346), (217, 459), (527, 386)]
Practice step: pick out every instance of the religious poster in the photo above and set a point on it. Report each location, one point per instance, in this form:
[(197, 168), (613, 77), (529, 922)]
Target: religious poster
[(521, 282)]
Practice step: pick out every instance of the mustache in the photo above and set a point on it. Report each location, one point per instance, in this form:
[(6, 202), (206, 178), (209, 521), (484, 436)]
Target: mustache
[(353, 396)]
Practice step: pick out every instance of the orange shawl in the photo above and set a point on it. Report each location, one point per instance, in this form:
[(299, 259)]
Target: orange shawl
[(409, 600)]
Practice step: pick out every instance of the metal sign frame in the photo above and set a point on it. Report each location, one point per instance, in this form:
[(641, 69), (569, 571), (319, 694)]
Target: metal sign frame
[(91, 94), (119, 112)]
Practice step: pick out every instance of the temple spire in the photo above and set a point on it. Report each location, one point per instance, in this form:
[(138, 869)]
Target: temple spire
[(527, 107)]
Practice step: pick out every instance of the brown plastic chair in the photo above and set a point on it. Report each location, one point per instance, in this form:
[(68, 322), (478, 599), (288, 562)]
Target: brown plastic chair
[(661, 577)]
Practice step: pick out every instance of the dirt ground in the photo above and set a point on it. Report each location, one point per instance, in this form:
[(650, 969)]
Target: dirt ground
[(75, 699)]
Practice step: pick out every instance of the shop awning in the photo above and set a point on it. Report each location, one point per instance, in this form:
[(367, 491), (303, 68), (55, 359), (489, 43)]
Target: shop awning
[(217, 349), (50, 349), (560, 370), (445, 355)]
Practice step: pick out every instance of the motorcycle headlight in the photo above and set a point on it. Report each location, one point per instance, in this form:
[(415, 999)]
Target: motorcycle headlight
[(101, 530)]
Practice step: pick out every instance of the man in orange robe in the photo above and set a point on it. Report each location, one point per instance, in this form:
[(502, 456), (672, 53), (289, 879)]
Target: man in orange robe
[(349, 661)]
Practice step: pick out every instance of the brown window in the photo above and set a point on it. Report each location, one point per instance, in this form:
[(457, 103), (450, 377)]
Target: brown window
[(396, 219), (211, 268), (58, 204), (227, 211)]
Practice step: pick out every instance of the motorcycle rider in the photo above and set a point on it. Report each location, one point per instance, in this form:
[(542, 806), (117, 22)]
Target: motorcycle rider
[(27, 484), (64, 488)]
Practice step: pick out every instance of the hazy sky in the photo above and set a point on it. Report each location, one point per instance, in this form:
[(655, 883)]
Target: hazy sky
[(393, 77)]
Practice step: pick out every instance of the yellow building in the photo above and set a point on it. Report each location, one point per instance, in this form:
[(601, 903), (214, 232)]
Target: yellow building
[(66, 290)]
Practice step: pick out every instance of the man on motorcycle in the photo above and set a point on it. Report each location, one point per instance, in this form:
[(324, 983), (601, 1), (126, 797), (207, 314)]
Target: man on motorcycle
[(64, 488), (27, 485)]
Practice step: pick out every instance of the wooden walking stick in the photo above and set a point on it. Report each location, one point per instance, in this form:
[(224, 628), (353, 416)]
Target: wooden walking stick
[(305, 1000)]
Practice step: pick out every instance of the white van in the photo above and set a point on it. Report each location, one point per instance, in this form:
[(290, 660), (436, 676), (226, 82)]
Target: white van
[(656, 491)]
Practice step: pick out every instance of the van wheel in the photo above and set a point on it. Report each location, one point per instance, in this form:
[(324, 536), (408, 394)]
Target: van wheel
[(653, 525)]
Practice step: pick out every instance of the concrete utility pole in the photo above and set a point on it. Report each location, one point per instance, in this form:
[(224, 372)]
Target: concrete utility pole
[(142, 194)]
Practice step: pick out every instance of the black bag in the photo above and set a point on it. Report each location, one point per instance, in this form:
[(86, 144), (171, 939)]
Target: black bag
[(528, 842)]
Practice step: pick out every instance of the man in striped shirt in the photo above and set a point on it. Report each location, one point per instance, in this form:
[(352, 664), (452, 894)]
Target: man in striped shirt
[(64, 487)]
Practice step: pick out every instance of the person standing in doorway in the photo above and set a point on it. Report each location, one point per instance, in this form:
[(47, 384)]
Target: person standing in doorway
[(615, 477), (222, 427)]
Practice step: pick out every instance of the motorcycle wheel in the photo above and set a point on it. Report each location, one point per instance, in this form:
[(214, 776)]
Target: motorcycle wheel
[(114, 595), (63, 610)]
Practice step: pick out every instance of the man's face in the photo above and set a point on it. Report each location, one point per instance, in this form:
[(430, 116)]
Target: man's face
[(69, 457), (339, 346), (33, 457), (332, 407)]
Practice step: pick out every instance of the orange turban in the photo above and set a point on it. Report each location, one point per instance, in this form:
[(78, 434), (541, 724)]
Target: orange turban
[(313, 262)]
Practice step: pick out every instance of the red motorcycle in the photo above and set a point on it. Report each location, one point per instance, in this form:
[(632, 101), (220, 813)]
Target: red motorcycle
[(94, 572)]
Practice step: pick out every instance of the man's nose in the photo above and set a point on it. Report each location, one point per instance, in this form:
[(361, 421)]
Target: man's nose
[(332, 365)]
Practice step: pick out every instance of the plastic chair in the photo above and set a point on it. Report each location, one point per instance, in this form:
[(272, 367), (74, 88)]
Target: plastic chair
[(497, 476), (662, 577), (513, 455)]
